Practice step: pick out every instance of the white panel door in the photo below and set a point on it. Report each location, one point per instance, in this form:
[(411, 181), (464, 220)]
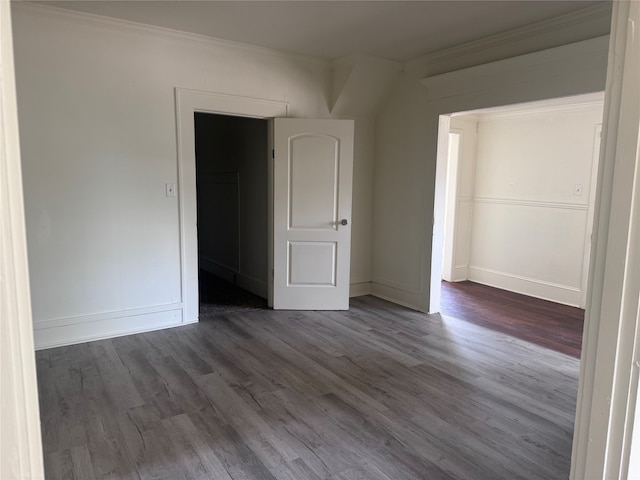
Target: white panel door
[(313, 169)]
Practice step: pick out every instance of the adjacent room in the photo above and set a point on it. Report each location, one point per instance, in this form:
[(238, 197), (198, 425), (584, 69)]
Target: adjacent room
[(519, 217), (238, 216)]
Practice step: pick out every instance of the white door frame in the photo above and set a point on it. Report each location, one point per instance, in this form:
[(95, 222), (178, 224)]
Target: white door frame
[(524, 79), (20, 441), (602, 444), (449, 215), (187, 103), (608, 389), (589, 231), (609, 373)]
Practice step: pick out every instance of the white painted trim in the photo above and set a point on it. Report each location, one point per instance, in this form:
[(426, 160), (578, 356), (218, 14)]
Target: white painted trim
[(99, 317), (528, 78), (608, 388), (588, 231), (565, 71), (101, 21), (359, 289), (539, 111), (585, 101), (521, 79), (531, 203), (396, 295), (187, 103), (460, 273), (110, 328), (451, 221), (532, 287), (20, 441), (403, 287), (431, 261)]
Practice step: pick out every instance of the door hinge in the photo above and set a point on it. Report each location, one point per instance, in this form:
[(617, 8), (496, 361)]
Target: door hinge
[(273, 154)]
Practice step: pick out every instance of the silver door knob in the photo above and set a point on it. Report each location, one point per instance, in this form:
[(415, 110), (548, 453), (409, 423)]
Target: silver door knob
[(344, 222)]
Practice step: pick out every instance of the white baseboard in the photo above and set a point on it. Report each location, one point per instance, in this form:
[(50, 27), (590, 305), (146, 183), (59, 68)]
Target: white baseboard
[(460, 273), (532, 287), (396, 295), (116, 324), (359, 289)]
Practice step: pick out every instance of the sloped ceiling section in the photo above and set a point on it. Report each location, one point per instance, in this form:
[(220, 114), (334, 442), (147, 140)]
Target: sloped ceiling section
[(360, 84)]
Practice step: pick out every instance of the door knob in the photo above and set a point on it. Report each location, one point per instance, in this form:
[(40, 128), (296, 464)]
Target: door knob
[(344, 222)]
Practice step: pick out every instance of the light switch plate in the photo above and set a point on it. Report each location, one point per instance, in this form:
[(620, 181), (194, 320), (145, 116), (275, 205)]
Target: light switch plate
[(171, 189)]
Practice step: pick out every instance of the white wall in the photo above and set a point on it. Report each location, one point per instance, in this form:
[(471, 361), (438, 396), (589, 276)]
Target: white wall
[(529, 229), (98, 133), (406, 226), (400, 199)]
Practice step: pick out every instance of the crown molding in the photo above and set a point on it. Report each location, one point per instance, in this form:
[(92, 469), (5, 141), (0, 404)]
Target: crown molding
[(436, 62), (117, 24)]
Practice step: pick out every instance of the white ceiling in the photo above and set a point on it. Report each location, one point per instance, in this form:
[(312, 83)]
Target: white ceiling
[(396, 30)]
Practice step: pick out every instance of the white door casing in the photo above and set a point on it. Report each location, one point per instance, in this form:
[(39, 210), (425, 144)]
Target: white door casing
[(451, 206), (187, 103), (20, 440), (313, 170)]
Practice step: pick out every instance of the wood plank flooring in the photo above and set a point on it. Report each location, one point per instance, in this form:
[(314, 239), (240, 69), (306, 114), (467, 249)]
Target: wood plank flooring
[(545, 323), (376, 393)]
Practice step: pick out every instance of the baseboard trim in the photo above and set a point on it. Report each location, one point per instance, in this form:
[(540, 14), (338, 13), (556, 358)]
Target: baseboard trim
[(98, 317), (395, 295), (70, 334), (532, 287), (460, 273), (359, 289)]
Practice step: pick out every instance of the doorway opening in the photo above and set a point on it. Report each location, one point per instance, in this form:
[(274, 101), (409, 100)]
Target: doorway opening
[(520, 196), (232, 212)]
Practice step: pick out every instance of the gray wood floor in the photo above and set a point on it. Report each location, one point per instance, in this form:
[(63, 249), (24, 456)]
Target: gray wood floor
[(376, 393)]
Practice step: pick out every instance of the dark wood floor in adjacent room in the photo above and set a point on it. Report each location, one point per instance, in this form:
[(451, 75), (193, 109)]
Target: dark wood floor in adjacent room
[(552, 325), (376, 393)]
